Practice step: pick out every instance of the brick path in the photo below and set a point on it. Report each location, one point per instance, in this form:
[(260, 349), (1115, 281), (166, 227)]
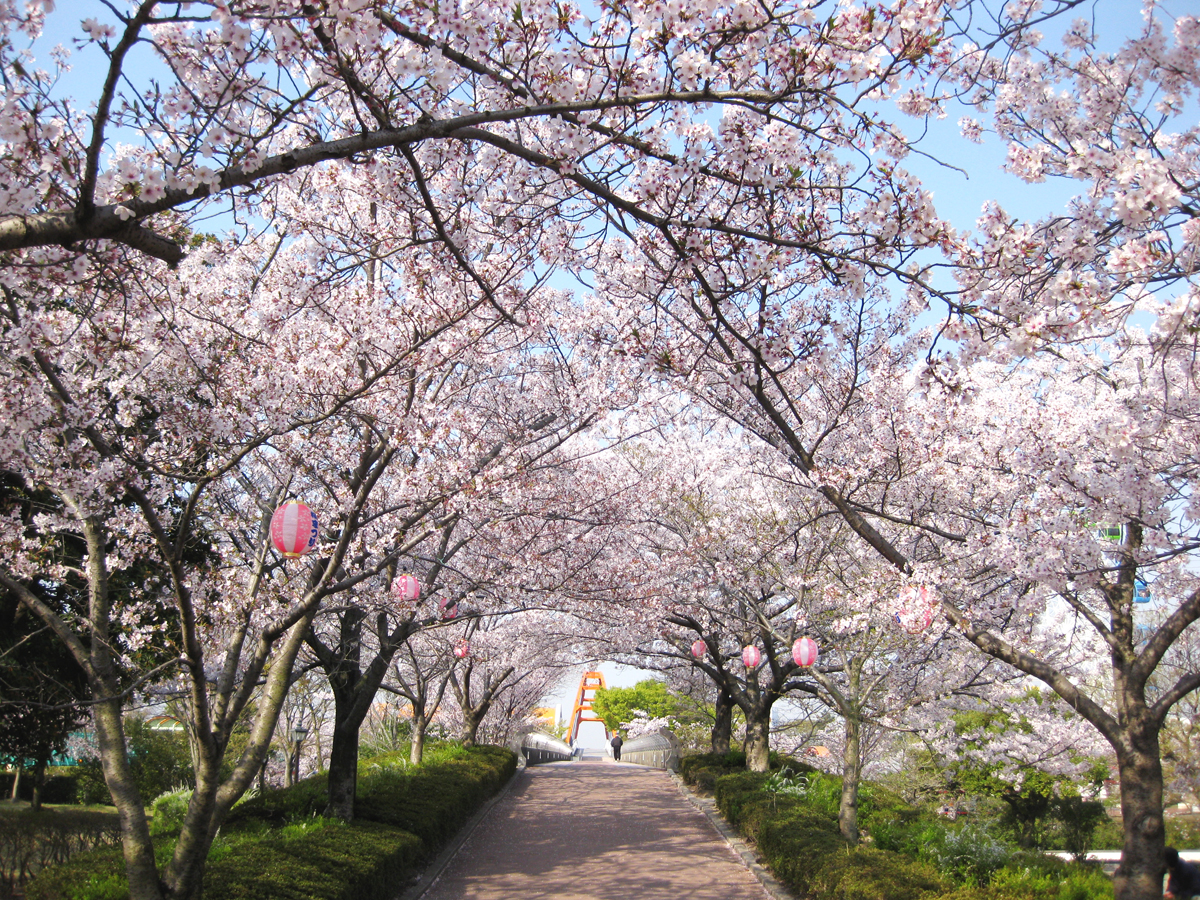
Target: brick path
[(595, 831)]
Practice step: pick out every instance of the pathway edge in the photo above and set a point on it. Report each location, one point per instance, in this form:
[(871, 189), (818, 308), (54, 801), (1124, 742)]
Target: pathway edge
[(435, 868), (772, 885)]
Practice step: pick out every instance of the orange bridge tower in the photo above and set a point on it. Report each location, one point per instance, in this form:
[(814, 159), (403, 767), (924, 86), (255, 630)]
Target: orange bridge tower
[(588, 685)]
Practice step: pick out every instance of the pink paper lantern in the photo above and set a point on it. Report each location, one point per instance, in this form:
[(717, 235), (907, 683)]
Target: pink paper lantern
[(917, 603), (406, 588), (804, 652), (751, 657), (447, 608), (462, 649), (699, 648), (294, 529)]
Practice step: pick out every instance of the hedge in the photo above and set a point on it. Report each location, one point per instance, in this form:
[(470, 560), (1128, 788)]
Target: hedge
[(803, 847), (60, 786), (29, 841), (702, 770), (336, 862), (275, 847)]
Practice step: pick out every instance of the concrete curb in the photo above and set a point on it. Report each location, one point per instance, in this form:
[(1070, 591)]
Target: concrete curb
[(772, 885), (435, 868)]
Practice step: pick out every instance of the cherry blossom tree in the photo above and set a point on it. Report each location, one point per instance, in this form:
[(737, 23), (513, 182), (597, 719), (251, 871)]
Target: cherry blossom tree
[(1053, 401), (516, 656), (420, 674), (398, 182), (172, 423)]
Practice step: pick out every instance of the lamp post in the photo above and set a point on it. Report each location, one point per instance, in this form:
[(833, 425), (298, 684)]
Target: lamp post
[(298, 733)]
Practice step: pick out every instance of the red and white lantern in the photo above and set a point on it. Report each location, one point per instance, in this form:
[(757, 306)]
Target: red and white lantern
[(804, 652), (294, 529), (699, 648), (751, 657), (916, 607), (462, 649), (406, 588), (447, 609)]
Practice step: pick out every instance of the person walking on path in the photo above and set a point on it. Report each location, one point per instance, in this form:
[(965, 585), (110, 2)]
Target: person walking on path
[(1183, 878), (616, 745)]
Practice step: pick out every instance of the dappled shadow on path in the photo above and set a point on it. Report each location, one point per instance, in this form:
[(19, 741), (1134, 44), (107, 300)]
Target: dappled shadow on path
[(595, 831)]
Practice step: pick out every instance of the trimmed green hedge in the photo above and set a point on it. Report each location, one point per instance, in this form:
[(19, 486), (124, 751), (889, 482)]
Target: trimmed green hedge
[(804, 849), (336, 862), (276, 847), (702, 770), (801, 844)]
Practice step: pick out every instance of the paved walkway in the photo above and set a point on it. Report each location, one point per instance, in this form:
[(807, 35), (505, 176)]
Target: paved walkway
[(595, 830)]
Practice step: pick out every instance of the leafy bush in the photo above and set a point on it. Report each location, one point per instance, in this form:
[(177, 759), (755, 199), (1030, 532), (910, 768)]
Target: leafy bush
[(821, 792), (275, 848), (797, 834), (878, 804), (792, 821), (59, 786), (169, 810), (1182, 831), (702, 770), (1075, 823), (29, 842), (95, 875), (971, 854), (907, 837), (160, 761), (321, 862), (1032, 876)]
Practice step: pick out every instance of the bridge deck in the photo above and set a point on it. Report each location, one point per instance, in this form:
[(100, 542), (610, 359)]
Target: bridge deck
[(594, 830)]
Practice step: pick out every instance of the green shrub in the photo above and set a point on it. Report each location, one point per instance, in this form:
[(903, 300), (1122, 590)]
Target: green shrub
[(59, 785), (169, 810), (279, 849), (703, 769), (971, 853), (899, 836), (1182, 832), (793, 823), (878, 804), (1075, 823), (320, 861), (93, 875), (160, 761), (30, 842), (278, 806), (797, 834), (1032, 876), (866, 873)]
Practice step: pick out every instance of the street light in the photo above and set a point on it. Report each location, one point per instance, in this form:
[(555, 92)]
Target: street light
[(298, 733)]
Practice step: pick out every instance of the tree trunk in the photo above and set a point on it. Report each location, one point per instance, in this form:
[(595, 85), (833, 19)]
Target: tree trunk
[(416, 750), (851, 775), (758, 740), (722, 729), (1139, 877), (289, 756), (343, 767), (16, 783), (39, 781), (136, 845), (471, 722)]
